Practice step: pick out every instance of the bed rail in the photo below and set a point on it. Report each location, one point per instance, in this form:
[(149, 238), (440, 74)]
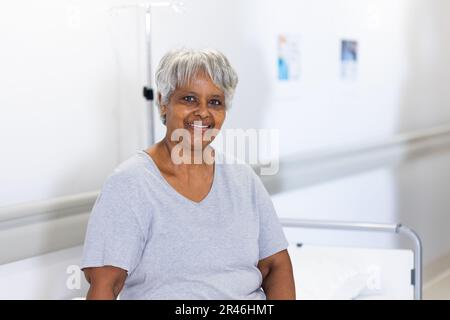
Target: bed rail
[(416, 275)]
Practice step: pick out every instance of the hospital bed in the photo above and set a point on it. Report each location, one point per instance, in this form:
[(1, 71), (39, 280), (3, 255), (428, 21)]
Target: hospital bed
[(321, 272), (330, 272)]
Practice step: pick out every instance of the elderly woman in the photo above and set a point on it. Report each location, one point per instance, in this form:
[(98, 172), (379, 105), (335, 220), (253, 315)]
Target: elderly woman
[(162, 228)]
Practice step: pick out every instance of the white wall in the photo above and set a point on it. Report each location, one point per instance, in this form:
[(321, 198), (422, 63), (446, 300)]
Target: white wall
[(364, 197), (58, 128), (68, 113)]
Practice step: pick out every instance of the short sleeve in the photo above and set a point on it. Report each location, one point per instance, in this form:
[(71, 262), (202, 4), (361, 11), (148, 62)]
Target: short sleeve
[(271, 236), (114, 236)]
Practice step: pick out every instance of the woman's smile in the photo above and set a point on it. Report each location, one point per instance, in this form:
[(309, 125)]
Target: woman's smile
[(198, 126)]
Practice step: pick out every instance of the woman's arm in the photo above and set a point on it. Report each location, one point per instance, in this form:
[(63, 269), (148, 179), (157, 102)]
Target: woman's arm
[(278, 278), (105, 282)]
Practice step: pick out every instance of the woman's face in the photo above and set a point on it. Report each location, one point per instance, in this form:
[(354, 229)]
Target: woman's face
[(199, 109)]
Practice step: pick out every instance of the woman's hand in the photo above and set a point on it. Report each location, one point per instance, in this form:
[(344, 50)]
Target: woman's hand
[(278, 279), (105, 282)]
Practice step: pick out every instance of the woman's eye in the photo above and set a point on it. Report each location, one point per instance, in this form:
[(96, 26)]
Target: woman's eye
[(189, 98), (216, 102)]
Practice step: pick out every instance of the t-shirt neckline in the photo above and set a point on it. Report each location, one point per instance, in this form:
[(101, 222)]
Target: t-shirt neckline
[(173, 190)]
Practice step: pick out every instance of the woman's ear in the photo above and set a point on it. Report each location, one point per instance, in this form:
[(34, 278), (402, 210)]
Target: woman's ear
[(158, 98), (162, 108)]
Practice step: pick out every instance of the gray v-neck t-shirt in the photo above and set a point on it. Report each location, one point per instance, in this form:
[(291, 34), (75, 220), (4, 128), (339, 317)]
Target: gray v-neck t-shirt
[(175, 248)]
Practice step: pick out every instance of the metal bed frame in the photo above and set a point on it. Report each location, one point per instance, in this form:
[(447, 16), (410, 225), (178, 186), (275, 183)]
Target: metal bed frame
[(416, 273)]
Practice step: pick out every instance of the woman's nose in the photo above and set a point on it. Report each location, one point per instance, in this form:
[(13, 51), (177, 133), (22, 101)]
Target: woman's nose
[(202, 110)]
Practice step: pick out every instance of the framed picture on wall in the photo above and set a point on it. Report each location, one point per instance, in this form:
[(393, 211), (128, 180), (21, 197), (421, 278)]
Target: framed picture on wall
[(289, 66), (289, 72)]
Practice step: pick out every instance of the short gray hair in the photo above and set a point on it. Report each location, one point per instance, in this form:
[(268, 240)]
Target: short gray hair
[(179, 67)]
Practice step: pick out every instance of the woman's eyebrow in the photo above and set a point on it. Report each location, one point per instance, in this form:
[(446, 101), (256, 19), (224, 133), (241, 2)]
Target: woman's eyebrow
[(196, 94), (187, 92)]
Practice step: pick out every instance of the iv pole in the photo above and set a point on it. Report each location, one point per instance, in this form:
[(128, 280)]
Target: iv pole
[(147, 90)]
